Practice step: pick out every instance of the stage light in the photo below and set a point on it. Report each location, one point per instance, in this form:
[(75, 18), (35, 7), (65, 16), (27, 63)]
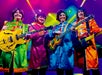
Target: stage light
[(40, 10), (28, 2), (83, 2), (51, 20), (71, 12), (78, 74)]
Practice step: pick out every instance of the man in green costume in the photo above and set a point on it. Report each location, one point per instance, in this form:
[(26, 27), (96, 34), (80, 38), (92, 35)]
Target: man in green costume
[(15, 60)]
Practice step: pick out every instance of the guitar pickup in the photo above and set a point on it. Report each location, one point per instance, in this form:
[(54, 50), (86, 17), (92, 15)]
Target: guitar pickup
[(4, 41), (10, 39), (17, 37)]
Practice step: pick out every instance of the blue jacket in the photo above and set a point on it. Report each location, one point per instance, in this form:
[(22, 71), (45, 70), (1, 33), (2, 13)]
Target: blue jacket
[(63, 55)]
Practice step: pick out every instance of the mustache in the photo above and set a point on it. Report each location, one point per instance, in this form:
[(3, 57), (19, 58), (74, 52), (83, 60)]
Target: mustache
[(18, 15), (41, 19), (81, 14), (63, 18)]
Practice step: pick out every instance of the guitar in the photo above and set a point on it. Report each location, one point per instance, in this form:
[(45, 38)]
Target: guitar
[(9, 39), (57, 39)]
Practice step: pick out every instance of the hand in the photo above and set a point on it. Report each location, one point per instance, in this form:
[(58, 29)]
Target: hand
[(57, 32), (27, 36), (41, 33), (72, 28)]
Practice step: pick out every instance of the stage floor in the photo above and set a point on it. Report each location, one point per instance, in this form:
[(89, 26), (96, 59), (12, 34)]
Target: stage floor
[(77, 71)]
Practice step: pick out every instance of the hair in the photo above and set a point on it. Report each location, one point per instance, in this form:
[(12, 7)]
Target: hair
[(14, 11), (41, 14), (59, 12), (83, 10)]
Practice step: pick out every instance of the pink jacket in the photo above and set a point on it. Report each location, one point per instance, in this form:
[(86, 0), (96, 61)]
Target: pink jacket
[(38, 57)]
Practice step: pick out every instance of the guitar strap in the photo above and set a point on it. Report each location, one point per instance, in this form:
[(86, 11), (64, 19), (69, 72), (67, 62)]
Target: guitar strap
[(87, 26), (88, 29), (84, 43), (65, 28)]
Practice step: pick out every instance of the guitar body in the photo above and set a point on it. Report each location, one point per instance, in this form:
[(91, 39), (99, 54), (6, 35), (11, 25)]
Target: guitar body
[(8, 40), (53, 43)]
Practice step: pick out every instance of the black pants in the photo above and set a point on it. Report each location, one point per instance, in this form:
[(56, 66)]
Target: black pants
[(18, 73), (94, 72), (67, 72), (38, 71), (8, 73)]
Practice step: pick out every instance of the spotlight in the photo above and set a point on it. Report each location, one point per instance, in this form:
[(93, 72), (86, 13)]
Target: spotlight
[(40, 10)]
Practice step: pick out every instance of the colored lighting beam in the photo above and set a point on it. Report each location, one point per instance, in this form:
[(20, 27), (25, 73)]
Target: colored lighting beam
[(52, 17), (30, 6), (69, 21), (83, 2), (73, 17), (51, 20)]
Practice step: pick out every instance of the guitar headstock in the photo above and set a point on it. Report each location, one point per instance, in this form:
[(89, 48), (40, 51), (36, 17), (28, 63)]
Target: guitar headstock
[(89, 17), (84, 20)]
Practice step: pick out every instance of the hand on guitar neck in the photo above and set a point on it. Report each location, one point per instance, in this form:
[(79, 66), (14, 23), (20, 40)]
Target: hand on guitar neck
[(92, 36), (89, 37)]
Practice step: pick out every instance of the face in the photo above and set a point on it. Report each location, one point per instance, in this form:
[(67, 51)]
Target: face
[(80, 14), (17, 15), (41, 19), (62, 17)]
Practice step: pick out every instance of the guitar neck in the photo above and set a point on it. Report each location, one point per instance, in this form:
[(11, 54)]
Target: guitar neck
[(80, 22), (70, 29), (63, 34), (46, 28)]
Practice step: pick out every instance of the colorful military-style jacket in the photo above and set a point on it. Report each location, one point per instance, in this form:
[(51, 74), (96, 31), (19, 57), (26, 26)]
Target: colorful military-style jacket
[(38, 53), (62, 56), (91, 51), (20, 53)]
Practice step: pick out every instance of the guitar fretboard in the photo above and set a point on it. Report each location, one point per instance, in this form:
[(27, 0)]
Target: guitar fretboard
[(46, 28)]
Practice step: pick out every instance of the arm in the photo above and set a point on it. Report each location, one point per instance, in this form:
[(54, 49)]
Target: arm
[(35, 35), (94, 27)]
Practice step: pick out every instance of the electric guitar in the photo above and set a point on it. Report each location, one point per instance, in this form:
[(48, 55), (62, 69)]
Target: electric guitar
[(57, 39), (9, 39)]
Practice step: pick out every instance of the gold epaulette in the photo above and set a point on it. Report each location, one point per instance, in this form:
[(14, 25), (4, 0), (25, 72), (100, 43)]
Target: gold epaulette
[(5, 22)]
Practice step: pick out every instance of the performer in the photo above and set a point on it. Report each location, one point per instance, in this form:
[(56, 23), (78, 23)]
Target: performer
[(62, 56), (15, 59), (89, 52), (1, 66), (38, 55)]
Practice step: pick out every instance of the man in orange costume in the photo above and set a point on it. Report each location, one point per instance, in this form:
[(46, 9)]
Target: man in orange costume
[(90, 54)]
